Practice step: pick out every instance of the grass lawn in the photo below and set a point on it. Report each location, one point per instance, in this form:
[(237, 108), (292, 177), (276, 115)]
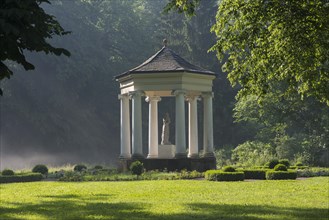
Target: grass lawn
[(179, 199)]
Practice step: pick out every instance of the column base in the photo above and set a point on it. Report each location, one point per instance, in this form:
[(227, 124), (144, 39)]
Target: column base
[(208, 155), (193, 156), (125, 156), (150, 156), (137, 156), (180, 155)]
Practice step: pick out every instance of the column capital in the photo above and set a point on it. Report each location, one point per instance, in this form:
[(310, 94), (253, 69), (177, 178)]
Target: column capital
[(123, 96), (132, 94), (207, 94), (178, 92), (153, 98), (191, 98)]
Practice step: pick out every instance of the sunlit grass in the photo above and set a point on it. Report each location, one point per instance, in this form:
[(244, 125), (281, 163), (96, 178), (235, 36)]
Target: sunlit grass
[(179, 199)]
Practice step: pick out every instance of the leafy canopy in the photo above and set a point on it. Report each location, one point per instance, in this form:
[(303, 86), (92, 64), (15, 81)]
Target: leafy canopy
[(266, 43), (186, 6), (24, 25)]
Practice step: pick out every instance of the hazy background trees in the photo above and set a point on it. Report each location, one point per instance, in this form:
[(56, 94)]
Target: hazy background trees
[(24, 25), (66, 110)]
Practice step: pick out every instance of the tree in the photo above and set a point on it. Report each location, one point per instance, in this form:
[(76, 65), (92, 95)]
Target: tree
[(186, 6), (24, 25), (266, 42), (296, 129)]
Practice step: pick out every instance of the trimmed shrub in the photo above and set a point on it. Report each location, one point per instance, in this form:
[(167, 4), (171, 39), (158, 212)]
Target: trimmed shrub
[(98, 167), (218, 175), (273, 163), (280, 167), (79, 167), (40, 168), (281, 175), (136, 168), (285, 162), (258, 167), (299, 164), (299, 167), (255, 174), (26, 177), (7, 172), (228, 169)]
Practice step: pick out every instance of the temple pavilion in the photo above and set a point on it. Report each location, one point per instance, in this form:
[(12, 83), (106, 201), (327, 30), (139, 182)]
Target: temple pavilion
[(166, 74)]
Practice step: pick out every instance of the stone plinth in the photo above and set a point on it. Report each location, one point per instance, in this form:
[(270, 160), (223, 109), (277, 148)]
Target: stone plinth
[(166, 151)]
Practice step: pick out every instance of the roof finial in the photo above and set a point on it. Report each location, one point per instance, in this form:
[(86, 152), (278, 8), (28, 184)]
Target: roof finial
[(165, 42)]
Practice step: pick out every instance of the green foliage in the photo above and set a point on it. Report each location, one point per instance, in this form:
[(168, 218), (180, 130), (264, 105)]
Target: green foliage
[(223, 156), (40, 168), (281, 175), (285, 162), (20, 32), (98, 167), (184, 174), (272, 163), (313, 172), (280, 167), (112, 175), (228, 169), (256, 38), (80, 167), (299, 167), (25, 177), (299, 164), (7, 172), (254, 174), (71, 176), (186, 6), (136, 168), (297, 130), (252, 153), (217, 175)]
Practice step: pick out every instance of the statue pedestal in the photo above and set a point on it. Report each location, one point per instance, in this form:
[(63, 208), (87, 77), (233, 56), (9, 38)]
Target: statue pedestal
[(166, 151)]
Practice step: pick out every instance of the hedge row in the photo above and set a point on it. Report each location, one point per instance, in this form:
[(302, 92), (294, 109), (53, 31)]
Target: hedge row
[(298, 167), (218, 175), (255, 174), (281, 175), (28, 177)]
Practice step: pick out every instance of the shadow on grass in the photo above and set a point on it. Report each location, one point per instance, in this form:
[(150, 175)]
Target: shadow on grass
[(64, 208), (74, 196)]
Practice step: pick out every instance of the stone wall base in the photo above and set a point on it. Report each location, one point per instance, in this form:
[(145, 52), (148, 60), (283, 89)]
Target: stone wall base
[(190, 164)]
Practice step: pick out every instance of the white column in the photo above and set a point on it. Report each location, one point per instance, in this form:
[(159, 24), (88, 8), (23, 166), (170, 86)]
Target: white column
[(208, 139), (153, 126), (124, 126), (193, 127), (180, 124), (137, 144)]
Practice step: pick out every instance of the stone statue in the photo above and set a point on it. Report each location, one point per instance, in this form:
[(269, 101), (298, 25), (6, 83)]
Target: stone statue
[(165, 130)]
